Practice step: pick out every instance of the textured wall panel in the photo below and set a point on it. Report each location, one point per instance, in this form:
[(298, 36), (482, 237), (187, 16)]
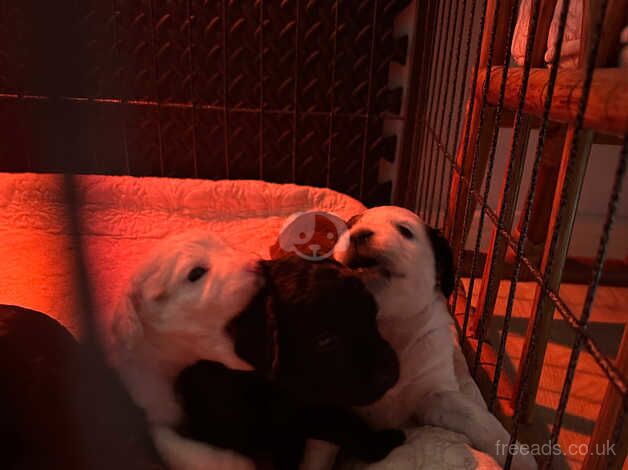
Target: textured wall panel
[(243, 54), (315, 25), (172, 49), (353, 55), (371, 191), (280, 53), (14, 136), (312, 149), (177, 141), (244, 145), (278, 148), (95, 23), (13, 47), (142, 136), (105, 145), (208, 52), (203, 88), (210, 144), (346, 154), (135, 49)]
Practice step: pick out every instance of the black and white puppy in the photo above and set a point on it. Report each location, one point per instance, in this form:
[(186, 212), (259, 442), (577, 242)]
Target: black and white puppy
[(408, 267), (312, 336)]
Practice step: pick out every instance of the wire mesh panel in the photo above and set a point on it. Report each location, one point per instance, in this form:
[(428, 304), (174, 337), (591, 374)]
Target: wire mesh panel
[(468, 170), (290, 91)]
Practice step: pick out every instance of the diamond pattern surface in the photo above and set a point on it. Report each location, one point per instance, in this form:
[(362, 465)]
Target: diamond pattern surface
[(288, 91)]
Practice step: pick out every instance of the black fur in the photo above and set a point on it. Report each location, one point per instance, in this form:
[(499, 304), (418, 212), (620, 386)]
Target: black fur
[(330, 357), (314, 302), (61, 407), (244, 412), (444, 261)]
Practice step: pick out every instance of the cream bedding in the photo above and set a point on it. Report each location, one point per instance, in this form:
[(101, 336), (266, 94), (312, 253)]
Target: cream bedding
[(124, 216)]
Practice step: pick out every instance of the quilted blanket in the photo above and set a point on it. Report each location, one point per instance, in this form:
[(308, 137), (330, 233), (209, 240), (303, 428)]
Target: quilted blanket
[(122, 217)]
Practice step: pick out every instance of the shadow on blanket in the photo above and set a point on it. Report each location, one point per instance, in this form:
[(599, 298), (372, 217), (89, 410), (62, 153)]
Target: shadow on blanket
[(60, 406)]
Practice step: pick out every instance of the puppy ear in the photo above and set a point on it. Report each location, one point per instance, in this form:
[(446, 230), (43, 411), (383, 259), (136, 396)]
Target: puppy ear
[(353, 220), (444, 261), (126, 327), (154, 285)]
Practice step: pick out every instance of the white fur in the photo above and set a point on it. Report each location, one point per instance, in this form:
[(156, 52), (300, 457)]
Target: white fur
[(414, 318), (165, 323), (185, 454)]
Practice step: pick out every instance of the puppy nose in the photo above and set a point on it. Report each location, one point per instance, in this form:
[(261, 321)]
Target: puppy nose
[(361, 236)]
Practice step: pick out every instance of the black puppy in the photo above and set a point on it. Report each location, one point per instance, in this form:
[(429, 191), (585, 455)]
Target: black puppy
[(246, 412), (61, 407), (312, 337)]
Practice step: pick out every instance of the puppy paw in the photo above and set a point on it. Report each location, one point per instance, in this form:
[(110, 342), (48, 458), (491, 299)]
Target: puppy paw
[(382, 443)]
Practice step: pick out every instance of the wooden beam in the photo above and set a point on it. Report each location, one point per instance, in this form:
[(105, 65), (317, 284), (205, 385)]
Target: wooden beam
[(509, 195), (544, 310), (607, 109), (497, 248), (464, 159), (465, 153), (508, 119)]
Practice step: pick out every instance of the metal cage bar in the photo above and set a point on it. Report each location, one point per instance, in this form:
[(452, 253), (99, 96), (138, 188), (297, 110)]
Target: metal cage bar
[(446, 79), (588, 303), (528, 207), (537, 97), (494, 264), (426, 163), (478, 113), (455, 186), (482, 327), (459, 113)]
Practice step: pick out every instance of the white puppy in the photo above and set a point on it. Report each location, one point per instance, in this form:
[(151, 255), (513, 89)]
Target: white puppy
[(174, 314), (408, 267)]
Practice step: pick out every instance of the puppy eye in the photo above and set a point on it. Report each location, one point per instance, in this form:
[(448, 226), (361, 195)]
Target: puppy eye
[(405, 232), (196, 273), (325, 342)]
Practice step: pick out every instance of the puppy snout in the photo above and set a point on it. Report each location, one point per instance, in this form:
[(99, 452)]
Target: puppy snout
[(361, 237)]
